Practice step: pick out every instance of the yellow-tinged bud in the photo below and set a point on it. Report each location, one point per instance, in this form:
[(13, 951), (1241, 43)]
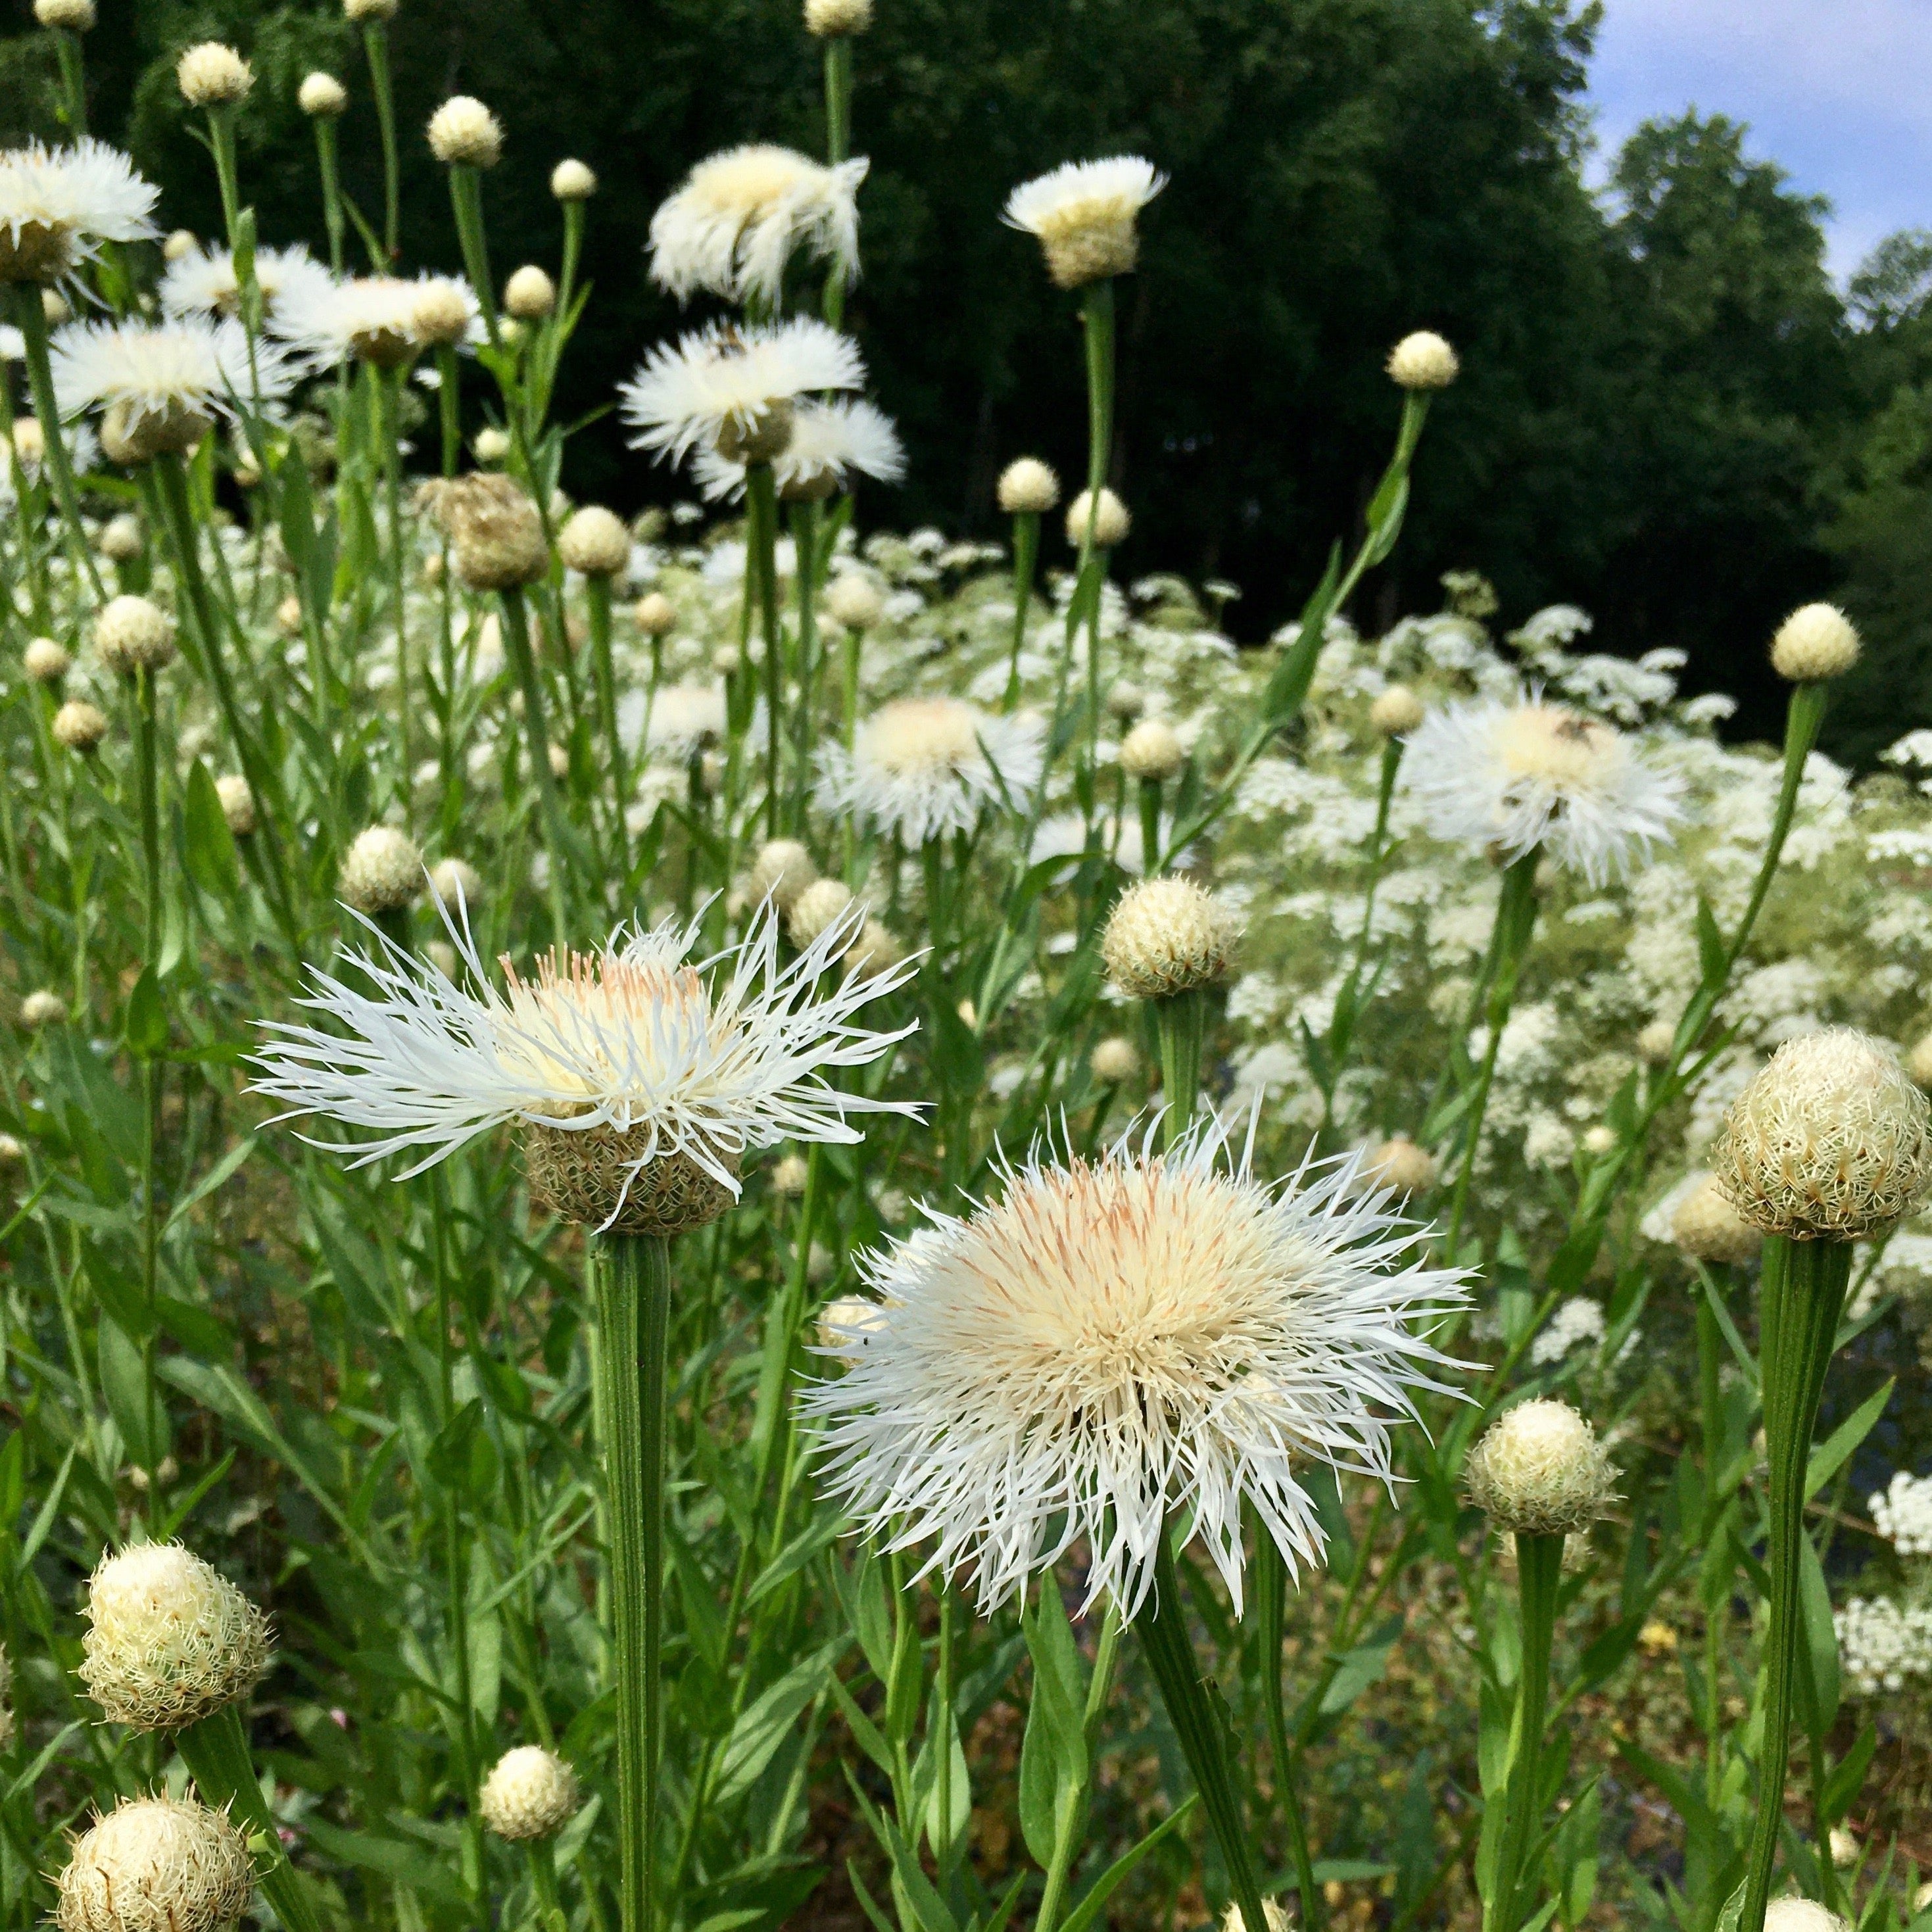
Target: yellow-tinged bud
[(156, 1864), (1396, 713), (463, 133), (1816, 642), (1539, 1470), (1028, 487), (1423, 360), (213, 75), (531, 1793), (383, 871), (1167, 936)]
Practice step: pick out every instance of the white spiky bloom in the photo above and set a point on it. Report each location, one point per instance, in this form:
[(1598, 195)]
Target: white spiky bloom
[(56, 203), (156, 1864), (1114, 1346), (530, 1793), (169, 1639), (1801, 1915), (1512, 777), (572, 181), (1830, 1141), (740, 216), (463, 133), (322, 96), (686, 718), (1539, 1470), (370, 318), (1084, 216), (628, 1075), (735, 390), (926, 767), (1423, 360), (1816, 642), (160, 389), (1028, 487), (1902, 1513), (833, 445), (204, 280)]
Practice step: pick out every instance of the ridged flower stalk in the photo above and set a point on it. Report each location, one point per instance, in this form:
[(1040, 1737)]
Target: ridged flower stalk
[(1097, 317), (389, 387), (375, 47), (536, 738), (633, 1331), (327, 166), (1271, 1606), (1026, 558), (147, 782), (466, 202), (761, 583), (597, 601), (73, 79), (838, 148), (1539, 1560), (30, 316)]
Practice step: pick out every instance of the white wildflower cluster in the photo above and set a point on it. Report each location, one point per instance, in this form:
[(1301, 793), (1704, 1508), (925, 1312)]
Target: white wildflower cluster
[(1883, 1646), (1577, 1323), (1902, 1513)]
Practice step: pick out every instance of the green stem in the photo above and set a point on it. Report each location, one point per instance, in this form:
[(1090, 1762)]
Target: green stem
[(388, 383), (327, 165), (147, 762), (216, 1753), (536, 732), (597, 596), (1800, 1296), (1026, 557), (1180, 1026), (1539, 1571), (466, 201), (761, 565), (633, 1311), (1097, 321), (838, 146), (1271, 1603), (375, 45), (1199, 1727), (74, 81), (30, 316), (806, 523)]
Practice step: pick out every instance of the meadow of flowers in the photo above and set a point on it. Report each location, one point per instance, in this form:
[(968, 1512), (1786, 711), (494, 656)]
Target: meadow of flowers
[(736, 1220)]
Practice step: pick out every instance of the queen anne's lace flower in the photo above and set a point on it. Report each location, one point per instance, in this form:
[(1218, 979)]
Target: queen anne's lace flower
[(1883, 1644), (1117, 1345), (926, 767), (740, 216), (1514, 777), (1577, 1323), (1902, 1513), (612, 1063)]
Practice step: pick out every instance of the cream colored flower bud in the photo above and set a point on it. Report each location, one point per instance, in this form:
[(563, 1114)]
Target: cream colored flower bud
[(782, 870), (54, 307), (180, 242), (131, 438), (1800, 1915), (213, 75), (1918, 1062), (45, 661), (1125, 701), (789, 1176), (440, 319), (820, 906), (383, 871), (1654, 1042), (1028, 487), (79, 726), (1396, 713), (529, 295), (463, 133), (322, 96), (363, 11), (170, 1639), (1167, 936), (655, 615), (1707, 1227), (838, 1320), (571, 180), (726, 659), (560, 761), (42, 1008), (121, 538), (289, 615), (455, 882), (1598, 1140), (132, 634), (1539, 1470), (75, 15), (13, 1154), (1115, 1061), (238, 804), (595, 542), (835, 19), (874, 950), (853, 601), (155, 1864), (532, 1793), (1830, 1141), (1423, 360), (1273, 1910), (1152, 751), (29, 441), (1399, 1163), (491, 445), (1111, 525), (1816, 642)]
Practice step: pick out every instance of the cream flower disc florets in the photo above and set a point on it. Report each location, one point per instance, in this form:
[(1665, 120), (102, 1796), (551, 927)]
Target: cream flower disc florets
[(1111, 522), (740, 216), (1539, 1470), (170, 1639), (1830, 1141), (322, 96), (572, 181), (835, 19), (154, 1865), (1116, 1347), (1512, 777), (1152, 750), (530, 1793), (1165, 937), (45, 661), (1801, 1915), (829, 447), (926, 767), (853, 601), (1115, 1059), (1423, 360), (132, 634), (596, 542), (213, 75), (78, 725), (75, 15), (1085, 216), (1396, 713), (611, 1063)]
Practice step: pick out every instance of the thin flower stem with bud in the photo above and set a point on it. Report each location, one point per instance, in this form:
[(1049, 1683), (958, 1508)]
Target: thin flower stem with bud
[(375, 47)]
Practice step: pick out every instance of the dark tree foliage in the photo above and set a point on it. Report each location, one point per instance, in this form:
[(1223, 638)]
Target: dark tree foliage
[(1667, 415)]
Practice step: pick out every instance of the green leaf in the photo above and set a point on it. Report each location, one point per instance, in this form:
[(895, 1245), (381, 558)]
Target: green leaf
[(1838, 1449), (1847, 1778), (1711, 959), (1053, 1752), (762, 1727), (208, 846), (145, 1022), (1357, 1670), (142, 1422), (1821, 1639), (405, 1864), (1094, 1899)]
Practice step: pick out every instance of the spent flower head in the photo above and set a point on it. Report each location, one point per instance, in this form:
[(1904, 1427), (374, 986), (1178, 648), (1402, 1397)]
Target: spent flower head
[(1119, 1345)]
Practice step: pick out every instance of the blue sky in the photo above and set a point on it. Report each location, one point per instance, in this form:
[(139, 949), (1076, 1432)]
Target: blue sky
[(1838, 91)]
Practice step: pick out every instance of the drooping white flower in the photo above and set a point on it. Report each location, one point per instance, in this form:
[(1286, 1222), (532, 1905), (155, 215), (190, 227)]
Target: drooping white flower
[(735, 390), (633, 1056), (740, 216), (1121, 1345), (203, 281), (1084, 216), (833, 445), (56, 203), (1513, 776), (924, 766), (159, 389)]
